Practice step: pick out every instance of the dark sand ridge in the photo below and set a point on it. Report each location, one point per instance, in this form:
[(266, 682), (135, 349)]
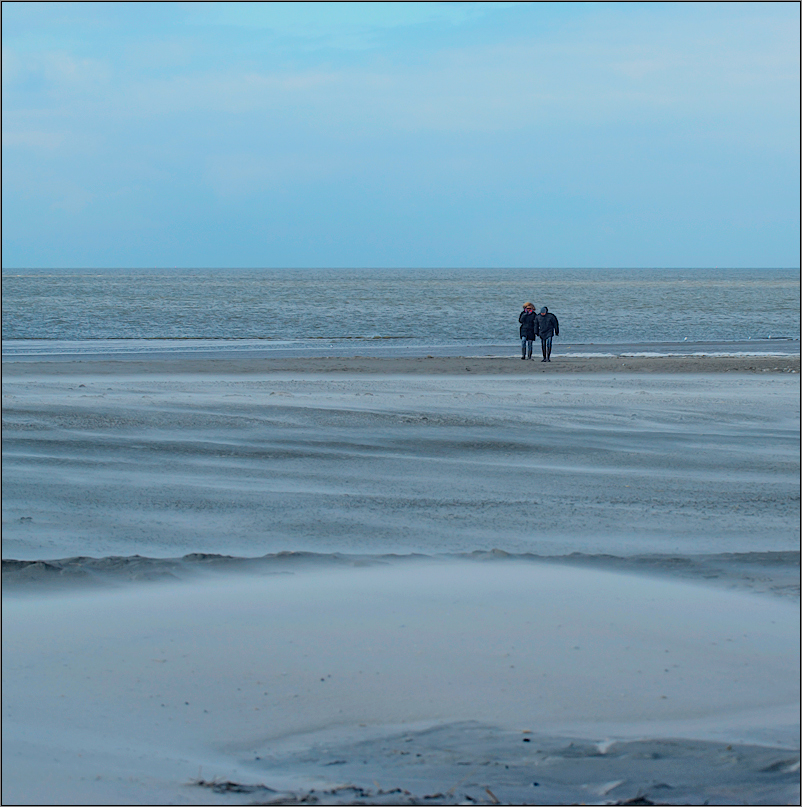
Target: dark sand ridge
[(423, 365), (760, 572)]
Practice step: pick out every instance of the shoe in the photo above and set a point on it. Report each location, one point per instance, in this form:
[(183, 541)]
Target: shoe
[(523, 358), (542, 360)]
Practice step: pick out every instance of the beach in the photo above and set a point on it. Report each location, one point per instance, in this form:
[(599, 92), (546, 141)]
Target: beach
[(401, 580), (287, 517)]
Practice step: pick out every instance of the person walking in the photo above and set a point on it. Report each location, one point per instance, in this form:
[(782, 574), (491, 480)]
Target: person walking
[(547, 328), (527, 318)]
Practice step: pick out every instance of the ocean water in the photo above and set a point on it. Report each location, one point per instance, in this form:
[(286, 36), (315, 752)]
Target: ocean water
[(386, 311)]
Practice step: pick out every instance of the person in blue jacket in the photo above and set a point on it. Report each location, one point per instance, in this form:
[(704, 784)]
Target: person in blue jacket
[(547, 328), (527, 319)]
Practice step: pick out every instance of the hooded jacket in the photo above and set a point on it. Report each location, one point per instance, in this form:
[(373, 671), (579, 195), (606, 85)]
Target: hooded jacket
[(547, 325)]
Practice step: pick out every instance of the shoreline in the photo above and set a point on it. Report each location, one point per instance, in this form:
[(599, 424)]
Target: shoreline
[(424, 365)]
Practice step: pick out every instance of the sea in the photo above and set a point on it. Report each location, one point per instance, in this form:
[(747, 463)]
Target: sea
[(159, 313)]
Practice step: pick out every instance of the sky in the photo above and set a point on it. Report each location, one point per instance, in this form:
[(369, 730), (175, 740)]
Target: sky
[(539, 135)]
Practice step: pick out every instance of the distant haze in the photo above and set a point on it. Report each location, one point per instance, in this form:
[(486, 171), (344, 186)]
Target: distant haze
[(400, 135)]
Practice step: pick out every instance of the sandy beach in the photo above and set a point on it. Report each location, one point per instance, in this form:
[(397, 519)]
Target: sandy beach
[(172, 457), (401, 581)]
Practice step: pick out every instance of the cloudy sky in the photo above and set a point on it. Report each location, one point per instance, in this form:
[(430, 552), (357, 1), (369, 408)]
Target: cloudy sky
[(377, 135)]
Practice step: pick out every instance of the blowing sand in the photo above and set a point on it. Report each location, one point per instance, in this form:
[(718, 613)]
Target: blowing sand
[(165, 462), (662, 661)]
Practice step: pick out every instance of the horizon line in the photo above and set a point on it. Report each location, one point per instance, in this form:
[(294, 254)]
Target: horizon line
[(388, 268)]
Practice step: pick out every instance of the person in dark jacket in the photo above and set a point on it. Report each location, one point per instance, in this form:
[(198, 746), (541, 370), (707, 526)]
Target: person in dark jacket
[(527, 318), (547, 328)]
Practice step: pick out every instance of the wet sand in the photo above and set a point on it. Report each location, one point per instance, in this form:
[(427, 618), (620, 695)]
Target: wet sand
[(446, 365)]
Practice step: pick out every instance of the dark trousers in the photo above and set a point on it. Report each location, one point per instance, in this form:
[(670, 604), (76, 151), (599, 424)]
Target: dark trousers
[(526, 348), (545, 346)]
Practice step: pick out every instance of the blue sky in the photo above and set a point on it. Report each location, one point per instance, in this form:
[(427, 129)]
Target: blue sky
[(379, 135)]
